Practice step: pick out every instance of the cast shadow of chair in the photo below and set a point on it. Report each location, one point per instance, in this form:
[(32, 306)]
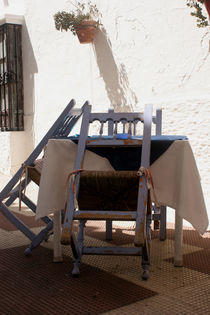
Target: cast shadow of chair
[(115, 77)]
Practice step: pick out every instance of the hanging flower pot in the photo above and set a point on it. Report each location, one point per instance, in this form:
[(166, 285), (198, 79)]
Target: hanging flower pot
[(197, 5), (81, 22), (85, 31)]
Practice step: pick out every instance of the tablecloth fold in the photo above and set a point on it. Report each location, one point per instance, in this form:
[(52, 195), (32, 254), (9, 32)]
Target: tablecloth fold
[(58, 164), (177, 184)]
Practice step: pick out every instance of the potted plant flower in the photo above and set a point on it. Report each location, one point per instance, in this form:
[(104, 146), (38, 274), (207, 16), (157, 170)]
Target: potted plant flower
[(81, 22), (202, 20)]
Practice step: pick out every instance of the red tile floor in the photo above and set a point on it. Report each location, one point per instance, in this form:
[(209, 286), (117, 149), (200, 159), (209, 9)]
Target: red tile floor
[(108, 284)]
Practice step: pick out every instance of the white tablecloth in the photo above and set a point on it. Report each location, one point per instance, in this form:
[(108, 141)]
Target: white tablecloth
[(177, 184), (58, 164), (175, 176)]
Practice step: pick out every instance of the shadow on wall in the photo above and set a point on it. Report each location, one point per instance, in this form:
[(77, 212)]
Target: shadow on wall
[(121, 97), (29, 69), (22, 143)]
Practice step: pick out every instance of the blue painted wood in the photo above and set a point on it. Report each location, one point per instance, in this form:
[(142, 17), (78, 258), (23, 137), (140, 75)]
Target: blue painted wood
[(112, 250), (39, 238), (17, 222), (145, 155), (61, 128), (81, 148), (32, 157), (74, 246), (11, 199), (140, 236), (109, 222), (17, 192), (78, 163), (116, 117), (163, 221), (67, 225), (108, 230), (158, 122), (80, 239), (31, 205), (72, 213), (161, 217), (68, 123), (22, 183), (110, 124), (14, 194)]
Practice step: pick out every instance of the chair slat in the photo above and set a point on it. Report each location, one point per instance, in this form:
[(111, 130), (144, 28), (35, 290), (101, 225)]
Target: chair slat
[(124, 251), (105, 215)]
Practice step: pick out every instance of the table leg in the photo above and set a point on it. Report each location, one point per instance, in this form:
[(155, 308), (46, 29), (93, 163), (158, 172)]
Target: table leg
[(57, 254), (178, 241)]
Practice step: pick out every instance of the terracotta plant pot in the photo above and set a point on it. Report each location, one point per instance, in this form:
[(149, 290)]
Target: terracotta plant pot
[(85, 31), (207, 5)]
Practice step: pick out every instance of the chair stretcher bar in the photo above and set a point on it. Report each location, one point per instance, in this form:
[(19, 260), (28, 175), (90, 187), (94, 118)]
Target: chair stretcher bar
[(124, 251), (105, 215)]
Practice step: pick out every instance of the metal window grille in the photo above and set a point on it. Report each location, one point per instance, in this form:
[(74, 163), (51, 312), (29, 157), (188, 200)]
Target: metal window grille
[(11, 78)]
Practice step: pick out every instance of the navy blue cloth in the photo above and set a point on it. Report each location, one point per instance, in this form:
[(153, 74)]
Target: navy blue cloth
[(128, 158)]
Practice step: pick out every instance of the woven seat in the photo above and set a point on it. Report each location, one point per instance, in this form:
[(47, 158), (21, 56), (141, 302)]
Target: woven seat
[(117, 190)]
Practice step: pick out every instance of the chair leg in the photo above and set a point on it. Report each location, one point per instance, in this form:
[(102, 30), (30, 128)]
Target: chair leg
[(57, 255), (145, 262), (80, 239), (39, 238), (163, 215), (146, 249), (108, 230)]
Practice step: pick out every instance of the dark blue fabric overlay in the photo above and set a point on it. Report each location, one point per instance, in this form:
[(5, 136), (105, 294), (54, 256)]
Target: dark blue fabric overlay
[(128, 158)]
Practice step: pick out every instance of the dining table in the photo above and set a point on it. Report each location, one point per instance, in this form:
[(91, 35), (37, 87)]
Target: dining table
[(175, 176)]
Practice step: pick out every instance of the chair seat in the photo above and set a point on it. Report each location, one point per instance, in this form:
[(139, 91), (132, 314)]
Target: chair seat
[(34, 175), (110, 195), (108, 190)]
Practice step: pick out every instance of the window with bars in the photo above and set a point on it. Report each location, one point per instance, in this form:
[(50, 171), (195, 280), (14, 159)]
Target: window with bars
[(11, 78)]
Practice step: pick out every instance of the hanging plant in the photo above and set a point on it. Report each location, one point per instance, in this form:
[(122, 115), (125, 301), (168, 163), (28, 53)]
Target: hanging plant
[(81, 22), (202, 20)]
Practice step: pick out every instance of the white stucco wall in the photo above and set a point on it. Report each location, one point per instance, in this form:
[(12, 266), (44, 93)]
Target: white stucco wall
[(146, 52), (15, 146)]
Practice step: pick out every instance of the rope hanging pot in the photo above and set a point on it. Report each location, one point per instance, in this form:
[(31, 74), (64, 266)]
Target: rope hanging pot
[(85, 31)]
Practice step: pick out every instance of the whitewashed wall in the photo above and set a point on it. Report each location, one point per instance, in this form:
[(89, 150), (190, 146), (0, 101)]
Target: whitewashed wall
[(146, 52)]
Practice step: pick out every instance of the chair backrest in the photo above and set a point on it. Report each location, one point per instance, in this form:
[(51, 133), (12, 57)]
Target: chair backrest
[(61, 128), (67, 123), (157, 120), (129, 121), (145, 142), (114, 119)]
